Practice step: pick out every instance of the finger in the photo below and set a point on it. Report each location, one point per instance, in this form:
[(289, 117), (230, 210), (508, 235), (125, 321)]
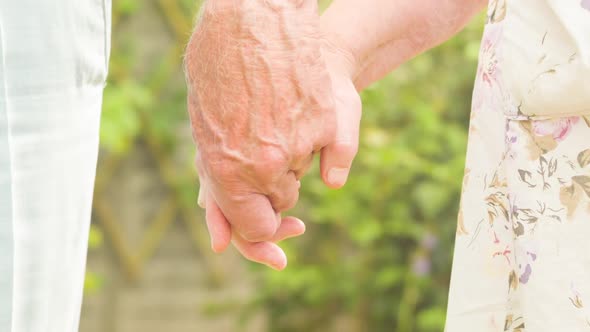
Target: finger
[(336, 158), (218, 226), (290, 227), (251, 215), (266, 253), (286, 193)]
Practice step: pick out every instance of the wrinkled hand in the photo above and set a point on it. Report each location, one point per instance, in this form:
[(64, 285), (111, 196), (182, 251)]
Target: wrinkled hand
[(265, 92)]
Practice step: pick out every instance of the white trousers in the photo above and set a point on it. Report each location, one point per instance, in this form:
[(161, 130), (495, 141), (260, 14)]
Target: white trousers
[(53, 66)]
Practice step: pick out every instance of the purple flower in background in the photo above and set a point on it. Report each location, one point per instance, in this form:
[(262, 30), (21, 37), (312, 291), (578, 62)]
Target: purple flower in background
[(429, 241), (585, 4), (421, 266)]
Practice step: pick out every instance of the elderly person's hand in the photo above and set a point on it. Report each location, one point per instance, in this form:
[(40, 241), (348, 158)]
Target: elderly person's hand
[(262, 100)]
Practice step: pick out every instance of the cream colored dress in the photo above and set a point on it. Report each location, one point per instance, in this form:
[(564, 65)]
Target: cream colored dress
[(522, 253)]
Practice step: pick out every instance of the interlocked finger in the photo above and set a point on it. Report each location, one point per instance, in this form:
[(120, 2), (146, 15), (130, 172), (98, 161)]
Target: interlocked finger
[(218, 226), (269, 253)]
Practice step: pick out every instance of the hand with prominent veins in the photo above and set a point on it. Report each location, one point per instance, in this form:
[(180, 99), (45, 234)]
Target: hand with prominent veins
[(271, 83)]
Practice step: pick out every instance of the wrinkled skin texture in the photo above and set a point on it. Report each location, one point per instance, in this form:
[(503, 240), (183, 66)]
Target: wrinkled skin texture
[(269, 84), (262, 101)]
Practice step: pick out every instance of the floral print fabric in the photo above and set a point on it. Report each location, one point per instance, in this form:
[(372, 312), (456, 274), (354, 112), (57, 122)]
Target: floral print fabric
[(522, 252)]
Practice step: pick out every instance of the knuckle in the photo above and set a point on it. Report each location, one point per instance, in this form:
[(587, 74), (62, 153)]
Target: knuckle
[(327, 103), (287, 202), (302, 151), (327, 131), (271, 160), (348, 148)]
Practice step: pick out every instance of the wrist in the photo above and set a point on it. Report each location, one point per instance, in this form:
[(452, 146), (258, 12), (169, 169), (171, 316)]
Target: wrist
[(339, 58), (338, 50), (214, 8), (274, 4)]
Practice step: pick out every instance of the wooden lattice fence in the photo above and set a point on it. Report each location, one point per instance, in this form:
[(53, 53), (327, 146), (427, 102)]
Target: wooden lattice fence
[(155, 263)]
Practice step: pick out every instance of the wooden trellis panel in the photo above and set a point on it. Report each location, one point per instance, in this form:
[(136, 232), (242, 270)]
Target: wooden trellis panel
[(158, 269), (131, 259)]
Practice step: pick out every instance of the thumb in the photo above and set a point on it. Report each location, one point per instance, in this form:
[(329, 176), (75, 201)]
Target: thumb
[(336, 158)]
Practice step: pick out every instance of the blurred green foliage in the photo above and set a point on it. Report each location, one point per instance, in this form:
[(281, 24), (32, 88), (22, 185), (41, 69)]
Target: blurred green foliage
[(92, 280), (377, 253), (379, 250)]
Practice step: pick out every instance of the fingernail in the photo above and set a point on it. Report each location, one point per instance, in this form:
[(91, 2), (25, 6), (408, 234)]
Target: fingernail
[(213, 246), (201, 203), (302, 227), (278, 266), (201, 200), (337, 176), (279, 262)]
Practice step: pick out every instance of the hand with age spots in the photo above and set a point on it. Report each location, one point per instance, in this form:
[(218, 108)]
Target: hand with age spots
[(270, 84), (266, 92)]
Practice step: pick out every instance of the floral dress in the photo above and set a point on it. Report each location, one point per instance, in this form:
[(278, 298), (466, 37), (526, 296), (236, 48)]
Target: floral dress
[(522, 253)]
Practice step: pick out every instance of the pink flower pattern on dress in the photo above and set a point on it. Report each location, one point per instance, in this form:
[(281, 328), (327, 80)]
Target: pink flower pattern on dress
[(488, 70), (558, 128), (585, 4)]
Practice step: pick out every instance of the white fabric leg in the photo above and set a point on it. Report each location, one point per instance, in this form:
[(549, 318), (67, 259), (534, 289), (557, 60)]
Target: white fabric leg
[(52, 71), (6, 235)]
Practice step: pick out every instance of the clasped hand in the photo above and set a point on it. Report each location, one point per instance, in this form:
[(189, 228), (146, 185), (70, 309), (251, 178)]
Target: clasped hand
[(266, 91)]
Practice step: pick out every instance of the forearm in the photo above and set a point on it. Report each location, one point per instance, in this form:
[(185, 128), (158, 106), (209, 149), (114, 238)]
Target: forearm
[(382, 34)]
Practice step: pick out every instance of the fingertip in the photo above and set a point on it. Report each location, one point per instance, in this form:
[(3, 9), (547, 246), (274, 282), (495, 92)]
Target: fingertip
[(279, 262), (273, 256), (267, 253), (279, 268), (216, 248), (220, 245), (290, 227), (303, 227), (298, 226)]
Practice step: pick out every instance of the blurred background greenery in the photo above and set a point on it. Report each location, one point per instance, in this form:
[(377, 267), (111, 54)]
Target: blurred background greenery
[(377, 253)]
